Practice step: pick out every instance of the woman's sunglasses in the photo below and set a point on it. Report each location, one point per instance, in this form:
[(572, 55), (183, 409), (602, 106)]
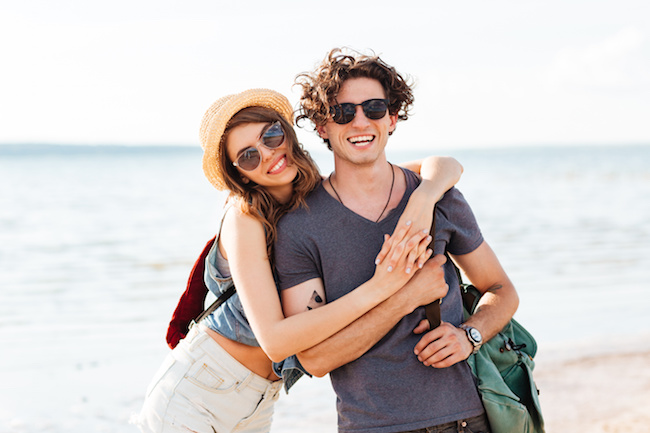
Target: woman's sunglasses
[(373, 109), (249, 159)]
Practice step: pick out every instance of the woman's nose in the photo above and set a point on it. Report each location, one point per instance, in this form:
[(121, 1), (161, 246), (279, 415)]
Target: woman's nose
[(265, 152)]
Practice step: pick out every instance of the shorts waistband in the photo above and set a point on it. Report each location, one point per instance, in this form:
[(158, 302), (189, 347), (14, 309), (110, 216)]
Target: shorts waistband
[(198, 342)]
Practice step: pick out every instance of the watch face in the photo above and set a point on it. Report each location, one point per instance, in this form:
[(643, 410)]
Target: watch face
[(475, 335)]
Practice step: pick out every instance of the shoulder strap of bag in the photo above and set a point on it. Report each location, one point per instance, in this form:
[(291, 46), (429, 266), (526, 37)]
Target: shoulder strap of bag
[(225, 295), (470, 297), (432, 310), (220, 300)]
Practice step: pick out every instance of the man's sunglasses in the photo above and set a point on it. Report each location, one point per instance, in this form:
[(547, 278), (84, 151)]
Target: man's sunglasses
[(272, 138), (373, 109)]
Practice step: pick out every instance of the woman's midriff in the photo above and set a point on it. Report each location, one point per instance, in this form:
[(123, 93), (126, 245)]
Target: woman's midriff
[(250, 357)]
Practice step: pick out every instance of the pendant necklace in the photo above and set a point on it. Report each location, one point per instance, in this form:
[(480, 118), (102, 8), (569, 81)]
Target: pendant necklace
[(390, 194)]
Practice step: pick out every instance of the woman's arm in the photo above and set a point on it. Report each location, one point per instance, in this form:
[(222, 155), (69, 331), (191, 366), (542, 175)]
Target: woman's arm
[(243, 243), (439, 174), (354, 340)]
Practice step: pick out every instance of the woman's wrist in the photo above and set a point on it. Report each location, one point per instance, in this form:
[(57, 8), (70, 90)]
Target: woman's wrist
[(429, 190)]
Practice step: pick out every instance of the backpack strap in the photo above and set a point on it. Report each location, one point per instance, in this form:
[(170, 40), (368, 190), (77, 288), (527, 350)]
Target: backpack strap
[(432, 310), (220, 300)]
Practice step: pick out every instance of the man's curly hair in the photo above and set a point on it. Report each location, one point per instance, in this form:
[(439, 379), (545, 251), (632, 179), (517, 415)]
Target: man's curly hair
[(320, 87)]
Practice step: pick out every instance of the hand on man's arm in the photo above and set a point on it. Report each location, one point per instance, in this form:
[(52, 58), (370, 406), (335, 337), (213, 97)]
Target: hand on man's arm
[(448, 344), (350, 343)]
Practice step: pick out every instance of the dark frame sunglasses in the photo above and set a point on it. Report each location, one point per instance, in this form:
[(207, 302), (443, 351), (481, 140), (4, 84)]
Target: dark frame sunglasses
[(272, 138), (374, 109)]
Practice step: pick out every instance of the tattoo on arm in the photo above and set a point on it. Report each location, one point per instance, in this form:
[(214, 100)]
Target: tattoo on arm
[(315, 301), (495, 288), (492, 289)]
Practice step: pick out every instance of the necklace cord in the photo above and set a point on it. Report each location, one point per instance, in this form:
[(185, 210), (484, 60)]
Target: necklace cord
[(390, 194)]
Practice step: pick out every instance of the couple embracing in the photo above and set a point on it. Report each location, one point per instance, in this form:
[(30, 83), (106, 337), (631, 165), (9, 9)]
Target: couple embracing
[(331, 274)]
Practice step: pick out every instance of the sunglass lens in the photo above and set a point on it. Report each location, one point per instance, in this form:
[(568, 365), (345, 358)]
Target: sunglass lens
[(374, 108), (343, 113), (349, 111), (274, 136), (337, 114), (249, 160)]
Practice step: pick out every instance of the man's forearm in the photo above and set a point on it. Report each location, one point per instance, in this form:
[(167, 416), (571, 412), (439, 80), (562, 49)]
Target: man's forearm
[(355, 339)]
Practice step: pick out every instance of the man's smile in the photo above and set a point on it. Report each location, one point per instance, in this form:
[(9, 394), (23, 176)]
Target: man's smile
[(361, 140)]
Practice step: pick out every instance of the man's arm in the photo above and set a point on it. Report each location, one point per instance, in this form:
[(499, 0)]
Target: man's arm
[(447, 344), (350, 343)]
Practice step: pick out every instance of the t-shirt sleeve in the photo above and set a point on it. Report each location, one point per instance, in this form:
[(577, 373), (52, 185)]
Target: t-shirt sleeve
[(466, 235), (295, 260)]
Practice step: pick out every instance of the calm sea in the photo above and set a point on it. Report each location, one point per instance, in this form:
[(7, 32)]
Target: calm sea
[(96, 244)]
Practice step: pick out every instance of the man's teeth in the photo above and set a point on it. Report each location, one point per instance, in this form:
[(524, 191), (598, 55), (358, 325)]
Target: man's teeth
[(361, 139), (278, 165)]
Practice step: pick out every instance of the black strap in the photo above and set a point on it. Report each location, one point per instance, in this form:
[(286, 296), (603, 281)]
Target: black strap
[(470, 299), (432, 310), (220, 300)]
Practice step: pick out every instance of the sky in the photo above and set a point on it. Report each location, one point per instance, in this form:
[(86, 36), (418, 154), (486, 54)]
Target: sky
[(486, 73)]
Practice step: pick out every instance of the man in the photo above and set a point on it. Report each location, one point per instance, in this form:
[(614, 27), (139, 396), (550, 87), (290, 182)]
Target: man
[(389, 378)]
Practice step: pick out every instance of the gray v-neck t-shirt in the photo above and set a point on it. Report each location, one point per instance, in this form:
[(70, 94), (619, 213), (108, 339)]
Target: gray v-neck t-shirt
[(387, 389)]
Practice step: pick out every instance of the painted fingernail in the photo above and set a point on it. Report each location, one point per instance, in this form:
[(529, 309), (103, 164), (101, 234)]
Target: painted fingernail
[(425, 231), (390, 269), (420, 265), (429, 238), (408, 270), (408, 223), (376, 261)]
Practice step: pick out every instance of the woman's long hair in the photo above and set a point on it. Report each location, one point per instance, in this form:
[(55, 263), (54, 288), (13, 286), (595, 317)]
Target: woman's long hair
[(254, 199)]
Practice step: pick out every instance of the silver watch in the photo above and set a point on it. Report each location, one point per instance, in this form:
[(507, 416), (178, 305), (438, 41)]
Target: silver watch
[(474, 336)]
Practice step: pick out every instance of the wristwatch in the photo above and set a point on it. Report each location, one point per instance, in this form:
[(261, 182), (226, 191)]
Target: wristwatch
[(474, 336)]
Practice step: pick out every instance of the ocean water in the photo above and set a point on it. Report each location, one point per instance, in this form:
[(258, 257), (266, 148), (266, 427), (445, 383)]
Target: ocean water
[(96, 244)]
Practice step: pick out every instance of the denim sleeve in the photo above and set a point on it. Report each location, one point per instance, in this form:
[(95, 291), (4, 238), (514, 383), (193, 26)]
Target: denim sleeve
[(290, 370)]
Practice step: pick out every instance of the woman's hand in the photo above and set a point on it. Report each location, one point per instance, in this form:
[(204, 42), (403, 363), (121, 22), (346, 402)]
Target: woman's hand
[(405, 251), (405, 239), (439, 174)]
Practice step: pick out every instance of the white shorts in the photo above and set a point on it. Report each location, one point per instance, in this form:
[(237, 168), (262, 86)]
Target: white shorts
[(201, 388)]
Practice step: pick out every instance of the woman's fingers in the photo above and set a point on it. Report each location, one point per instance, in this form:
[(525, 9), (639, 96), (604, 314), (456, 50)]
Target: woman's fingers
[(415, 254), (406, 252), (385, 248), (393, 246), (422, 259)]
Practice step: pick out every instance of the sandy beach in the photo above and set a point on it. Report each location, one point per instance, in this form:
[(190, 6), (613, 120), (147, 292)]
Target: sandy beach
[(607, 393)]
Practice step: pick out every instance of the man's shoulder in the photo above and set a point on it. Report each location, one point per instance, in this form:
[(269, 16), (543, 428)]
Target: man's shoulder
[(453, 197), (313, 202), (454, 207)]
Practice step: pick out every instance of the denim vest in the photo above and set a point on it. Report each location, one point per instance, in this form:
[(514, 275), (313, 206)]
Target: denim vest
[(230, 319)]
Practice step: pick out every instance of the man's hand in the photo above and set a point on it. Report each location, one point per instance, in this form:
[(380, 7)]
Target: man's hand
[(443, 347), (427, 285)]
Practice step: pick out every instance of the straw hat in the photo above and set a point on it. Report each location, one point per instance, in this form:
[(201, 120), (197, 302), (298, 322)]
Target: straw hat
[(219, 114)]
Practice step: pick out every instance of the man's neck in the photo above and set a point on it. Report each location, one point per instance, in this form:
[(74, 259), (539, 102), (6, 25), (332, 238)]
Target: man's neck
[(365, 189)]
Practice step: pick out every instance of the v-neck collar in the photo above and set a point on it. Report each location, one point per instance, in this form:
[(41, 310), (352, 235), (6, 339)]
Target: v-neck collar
[(388, 216)]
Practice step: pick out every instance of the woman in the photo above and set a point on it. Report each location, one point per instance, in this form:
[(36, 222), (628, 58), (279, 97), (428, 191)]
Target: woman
[(221, 377)]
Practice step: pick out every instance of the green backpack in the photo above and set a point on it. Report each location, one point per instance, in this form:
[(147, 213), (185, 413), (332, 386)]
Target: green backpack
[(503, 367), (504, 371)]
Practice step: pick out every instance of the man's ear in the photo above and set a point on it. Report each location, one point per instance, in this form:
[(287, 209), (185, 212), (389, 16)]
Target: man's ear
[(322, 132), (393, 124)]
